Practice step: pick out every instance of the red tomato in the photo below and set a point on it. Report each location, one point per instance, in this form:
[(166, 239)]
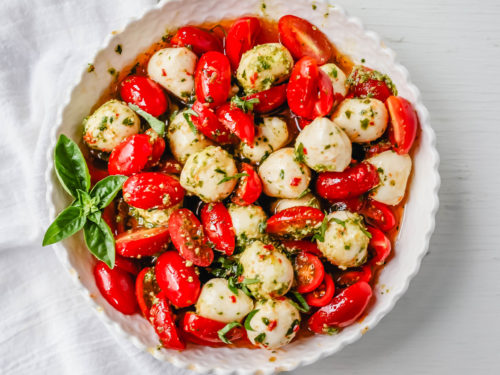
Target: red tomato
[(207, 329), (351, 277), (380, 244), (131, 155), (213, 79), (117, 287), (208, 124), (199, 40), (144, 93), (126, 265), (403, 125), (302, 38), (218, 227), (378, 148), (158, 144), (380, 215), (302, 245), (170, 166), (352, 182), (309, 272), (350, 204), (108, 215), (241, 37), (146, 290), (237, 122), (152, 190), (343, 310), (163, 321), (365, 82), (188, 238), (249, 187), (196, 340), (269, 100), (323, 294), (178, 281), (294, 220), (96, 174), (142, 242)]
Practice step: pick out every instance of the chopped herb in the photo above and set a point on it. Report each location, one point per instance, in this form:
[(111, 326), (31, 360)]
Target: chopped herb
[(248, 319), (338, 221), (265, 321), (330, 330), (299, 153), (364, 123), (320, 232), (261, 337), (291, 330), (282, 174), (157, 125), (112, 71), (128, 121), (348, 114), (222, 332), (90, 68), (229, 178), (187, 117), (363, 60), (134, 68), (302, 304), (218, 170), (118, 49), (363, 229), (314, 6), (245, 105), (262, 227), (304, 193)]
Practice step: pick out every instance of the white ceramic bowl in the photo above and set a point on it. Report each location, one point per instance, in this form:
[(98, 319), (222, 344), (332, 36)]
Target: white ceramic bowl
[(418, 223)]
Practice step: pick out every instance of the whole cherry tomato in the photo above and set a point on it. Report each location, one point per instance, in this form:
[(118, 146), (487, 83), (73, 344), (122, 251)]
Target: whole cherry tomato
[(302, 38), (241, 37), (218, 227), (158, 144), (302, 245), (323, 294), (117, 287), (352, 182), (131, 155), (213, 79), (209, 125), (142, 242), (178, 281), (199, 40), (163, 322), (144, 93), (249, 187), (269, 100), (237, 122), (152, 190), (309, 272), (380, 244), (207, 329), (343, 310), (352, 276), (403, 125), (380, 215), (170, 166), (365, 82), (146, 290), (295, 221), (355, 204), (188, 238)]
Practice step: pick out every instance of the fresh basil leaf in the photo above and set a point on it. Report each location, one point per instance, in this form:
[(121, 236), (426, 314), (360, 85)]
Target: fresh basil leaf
[(246, 105), (100, 241), (302, 306), (157, 125), (248, 319), (222, 332), (187, 116), (105, 190), (231, 284), (70, 166), (67, 223), (320, 232), (304, 193), (235, 177)]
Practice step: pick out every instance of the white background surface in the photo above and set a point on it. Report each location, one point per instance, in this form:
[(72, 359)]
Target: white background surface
[(447, 323)]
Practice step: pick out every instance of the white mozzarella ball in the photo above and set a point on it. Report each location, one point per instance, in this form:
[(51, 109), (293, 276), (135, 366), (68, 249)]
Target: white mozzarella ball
[(325, 146), (109, 125), (207, 174), (307, 200), (271, 135), (249, 222), (364, 120), (282, 176), (271, 268), (173, 68), (183, 141), (393, 170), (346, 241), (338, 78), (275, 324), (218, 302), (153, 217), (264, 66)]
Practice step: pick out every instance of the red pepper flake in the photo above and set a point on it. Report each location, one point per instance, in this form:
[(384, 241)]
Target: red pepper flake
[(296, 181), (272, 325), (304, 150), (233, 299), (269, 247), (254, 78), (163, 73), (240, 279)]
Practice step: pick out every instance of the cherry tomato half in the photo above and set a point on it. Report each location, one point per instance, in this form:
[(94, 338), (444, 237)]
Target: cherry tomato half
[(146, 290), (199, 40), (380, 244), (323, 294), (218, 227), (297, 221), (365, 82), (163, 322), (352, 276), (249, 187), (144, 93), (269, 100), (241, 37), (213, 79), (380, 215), (237, 122), (131, 155), (403, 125), (158, 144), (209, 125), (309, 272), (142, 242), (207, 329), (302, 245)]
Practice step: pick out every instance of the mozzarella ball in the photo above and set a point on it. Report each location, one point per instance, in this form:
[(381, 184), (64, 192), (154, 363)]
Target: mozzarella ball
[(263, 66), (338, 78), (275, 324), (152, 217), (218, 302), (325, 146), (393, 170), (183, 141), (282, 176), (345, 242), (173, 68), (271, 135), (364, 120), (307, 200), (249, 222), (109, 125), (266, 264), (207, 174)]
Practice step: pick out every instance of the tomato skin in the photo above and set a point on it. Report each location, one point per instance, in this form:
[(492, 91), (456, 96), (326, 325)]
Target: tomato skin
[(403, 124), (218, 227), (302, 38), (237, 122), (380, 215), (309, 270), (380, 244), (131, 155), (163, 322), (352, 182), (170, 166), (188, 238), (302, 245), (96, 174), (206, 329), (144, 93), (126, 265), (351, 277), (200, 41), (142, 242), (344, 309), (213, 79), (152, 190), (208, 124), (269, 100), (249, 187), (241, 36), (158, 145), (178, 282), (108, 215), (378, 148), (323, 294), (354, 204), (117, 287), (146, 289), (372, 88), (291, 219)]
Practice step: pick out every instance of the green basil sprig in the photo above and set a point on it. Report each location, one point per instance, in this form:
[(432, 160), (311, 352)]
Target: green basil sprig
[(85, 211)]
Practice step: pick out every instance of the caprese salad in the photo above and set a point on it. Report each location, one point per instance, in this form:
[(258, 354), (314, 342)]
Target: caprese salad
[(239, 183)]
